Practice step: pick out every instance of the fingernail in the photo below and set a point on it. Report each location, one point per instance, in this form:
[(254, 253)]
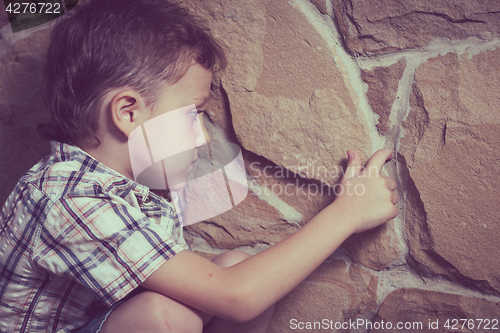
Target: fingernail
[(350, 155)]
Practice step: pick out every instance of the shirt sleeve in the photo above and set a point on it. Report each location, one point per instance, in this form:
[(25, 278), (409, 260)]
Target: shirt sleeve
[(106, 244)]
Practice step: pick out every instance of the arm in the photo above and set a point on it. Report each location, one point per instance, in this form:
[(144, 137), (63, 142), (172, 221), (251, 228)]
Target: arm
[(243, 291)]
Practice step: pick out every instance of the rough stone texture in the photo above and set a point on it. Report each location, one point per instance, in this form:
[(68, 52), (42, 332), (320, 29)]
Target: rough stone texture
[(380, 26), (376, 249), (251, 222), (300, 112), (321, 5), (288, 101), (382, 89), (452, 150), (21, 109), (421, 306), (219, 112), (308, 197), (334, 291)]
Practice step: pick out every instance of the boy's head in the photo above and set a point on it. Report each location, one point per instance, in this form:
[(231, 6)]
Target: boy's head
[(108, 44)]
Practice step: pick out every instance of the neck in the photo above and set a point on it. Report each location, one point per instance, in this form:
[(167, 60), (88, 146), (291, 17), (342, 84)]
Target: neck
[(111, 153)]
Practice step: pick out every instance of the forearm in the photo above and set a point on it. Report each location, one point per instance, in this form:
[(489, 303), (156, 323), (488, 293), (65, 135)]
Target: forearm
[(268, 276), (244, 290)]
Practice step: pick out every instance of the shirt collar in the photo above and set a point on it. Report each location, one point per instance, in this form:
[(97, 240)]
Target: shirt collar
[(68, 152)]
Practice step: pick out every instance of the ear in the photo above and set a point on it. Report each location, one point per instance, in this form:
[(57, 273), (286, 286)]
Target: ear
[(128, 111)]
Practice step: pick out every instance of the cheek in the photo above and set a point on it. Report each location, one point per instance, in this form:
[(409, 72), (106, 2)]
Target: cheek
[(169, 136), (177, 173), (183, 130)]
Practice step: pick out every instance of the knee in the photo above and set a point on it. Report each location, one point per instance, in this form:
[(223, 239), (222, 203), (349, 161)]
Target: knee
[(162, 314), (230, 258)]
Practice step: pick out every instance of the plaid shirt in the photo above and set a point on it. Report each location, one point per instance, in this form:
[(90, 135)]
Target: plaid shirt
[(74, 231)]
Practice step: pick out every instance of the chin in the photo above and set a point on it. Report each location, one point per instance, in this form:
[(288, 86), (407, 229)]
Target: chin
[(181, 180)]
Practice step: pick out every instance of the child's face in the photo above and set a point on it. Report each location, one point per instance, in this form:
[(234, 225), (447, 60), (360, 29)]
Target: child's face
[(179, 129)]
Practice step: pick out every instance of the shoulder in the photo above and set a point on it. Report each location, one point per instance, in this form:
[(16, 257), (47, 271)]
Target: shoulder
[(69, 171)]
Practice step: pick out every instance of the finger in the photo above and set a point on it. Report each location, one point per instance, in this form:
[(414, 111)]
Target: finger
[(391, 183), (395, 212), (354, 165), (378, 159), (394, 198)]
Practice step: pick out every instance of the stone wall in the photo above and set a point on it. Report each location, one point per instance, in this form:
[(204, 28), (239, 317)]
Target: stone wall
[(308, 80)]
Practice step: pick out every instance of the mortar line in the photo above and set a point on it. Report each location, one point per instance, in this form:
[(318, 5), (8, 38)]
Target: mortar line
[(399, 112), (348, 66)]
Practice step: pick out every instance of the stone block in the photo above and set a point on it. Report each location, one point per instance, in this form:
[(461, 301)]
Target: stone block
[(452, 152), (377, 248), (307, 196), (433, 311), (381, 26), (288, 100), (383, 85), (251, 222), (335, 291), (321, 5)]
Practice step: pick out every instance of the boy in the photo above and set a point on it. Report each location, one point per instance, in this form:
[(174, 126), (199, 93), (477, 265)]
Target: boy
[(79, 232)]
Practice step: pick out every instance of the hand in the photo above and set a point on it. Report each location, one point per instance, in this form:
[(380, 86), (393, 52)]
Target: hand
[(365, 194)]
